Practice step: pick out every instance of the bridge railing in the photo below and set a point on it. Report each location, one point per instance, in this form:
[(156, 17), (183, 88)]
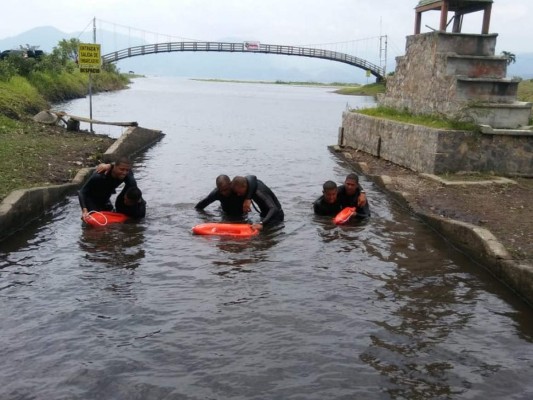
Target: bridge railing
[(374, 69)]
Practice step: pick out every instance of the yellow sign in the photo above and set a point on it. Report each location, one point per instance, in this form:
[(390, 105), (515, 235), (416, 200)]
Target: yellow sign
[(89, 59), (368, 73)]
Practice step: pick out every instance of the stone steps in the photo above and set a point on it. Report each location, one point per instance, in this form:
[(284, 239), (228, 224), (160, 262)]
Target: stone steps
[(476, 66)]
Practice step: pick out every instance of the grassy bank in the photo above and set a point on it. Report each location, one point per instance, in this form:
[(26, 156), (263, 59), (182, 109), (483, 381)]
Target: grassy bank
[(425, 120), (280, 82), (365, 90), (22, 96), (33, 154)]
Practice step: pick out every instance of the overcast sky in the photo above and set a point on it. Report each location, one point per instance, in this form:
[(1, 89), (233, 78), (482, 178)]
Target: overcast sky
[(295, 22)]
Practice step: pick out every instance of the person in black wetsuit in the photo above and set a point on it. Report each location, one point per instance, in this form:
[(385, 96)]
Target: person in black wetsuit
[(232, 204), (131, 203), (352, 195), (96, 192), (270, 209), (328, 203)]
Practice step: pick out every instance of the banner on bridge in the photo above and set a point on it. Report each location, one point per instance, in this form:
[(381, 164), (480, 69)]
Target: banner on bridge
[(89, 59), (252, 46)]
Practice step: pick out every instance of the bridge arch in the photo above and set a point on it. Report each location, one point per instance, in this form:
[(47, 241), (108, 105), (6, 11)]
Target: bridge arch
[(245, 47)]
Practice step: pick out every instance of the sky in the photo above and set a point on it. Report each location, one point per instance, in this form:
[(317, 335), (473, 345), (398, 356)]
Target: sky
[(293, 22)]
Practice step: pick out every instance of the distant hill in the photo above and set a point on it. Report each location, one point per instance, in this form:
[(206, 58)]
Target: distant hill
[(220, 65)]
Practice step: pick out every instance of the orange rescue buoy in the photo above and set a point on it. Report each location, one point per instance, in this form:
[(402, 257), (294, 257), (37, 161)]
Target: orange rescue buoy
[(344, 215), (103, 218), (225, 229)]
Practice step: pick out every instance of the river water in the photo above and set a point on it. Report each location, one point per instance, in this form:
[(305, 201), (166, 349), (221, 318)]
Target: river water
[(384, 310)]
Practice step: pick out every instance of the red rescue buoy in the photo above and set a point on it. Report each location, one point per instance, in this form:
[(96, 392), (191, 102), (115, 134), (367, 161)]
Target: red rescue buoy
[(344, 215), (224, 229), (103, 218)]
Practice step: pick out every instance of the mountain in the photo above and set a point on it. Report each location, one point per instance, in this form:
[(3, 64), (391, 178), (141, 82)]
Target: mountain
[(245, 66)]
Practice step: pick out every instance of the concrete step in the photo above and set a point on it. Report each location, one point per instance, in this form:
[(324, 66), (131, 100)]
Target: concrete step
[(476, 66), (490, 90), (501, 116), (466, 44)]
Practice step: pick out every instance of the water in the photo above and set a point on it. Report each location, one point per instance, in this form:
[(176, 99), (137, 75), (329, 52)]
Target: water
[(386, 310)]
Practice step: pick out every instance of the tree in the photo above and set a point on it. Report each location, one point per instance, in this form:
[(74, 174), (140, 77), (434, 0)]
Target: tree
[(511, 58)]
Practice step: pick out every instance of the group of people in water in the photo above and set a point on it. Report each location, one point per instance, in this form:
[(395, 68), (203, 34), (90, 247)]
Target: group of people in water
[(236, 196)]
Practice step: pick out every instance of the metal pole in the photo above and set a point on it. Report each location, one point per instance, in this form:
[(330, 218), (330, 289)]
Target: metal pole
[(91, 84)]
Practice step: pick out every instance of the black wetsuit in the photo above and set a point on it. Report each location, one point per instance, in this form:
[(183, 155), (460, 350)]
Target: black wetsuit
[(232, 204), (95, 194), (137, 210), (269, 207), (351, 201), (321, 207)]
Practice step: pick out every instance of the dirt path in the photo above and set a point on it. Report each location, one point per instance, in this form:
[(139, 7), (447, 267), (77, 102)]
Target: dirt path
[(506, 210)]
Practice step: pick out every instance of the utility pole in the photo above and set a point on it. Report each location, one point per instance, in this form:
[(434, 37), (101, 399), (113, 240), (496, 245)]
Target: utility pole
[(383, 54), (91, 84)]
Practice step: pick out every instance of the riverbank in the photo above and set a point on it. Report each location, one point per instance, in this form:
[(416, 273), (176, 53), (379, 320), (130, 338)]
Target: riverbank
[(34, 154), (497, 212)]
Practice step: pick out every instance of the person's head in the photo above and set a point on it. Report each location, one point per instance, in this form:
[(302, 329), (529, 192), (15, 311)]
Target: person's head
[(121, 168), (351, 183), (329, 190), (239, 185), (223, 185), (132, 196)]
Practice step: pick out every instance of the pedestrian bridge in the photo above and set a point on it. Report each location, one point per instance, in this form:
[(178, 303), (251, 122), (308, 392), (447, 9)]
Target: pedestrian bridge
[(245, 47)]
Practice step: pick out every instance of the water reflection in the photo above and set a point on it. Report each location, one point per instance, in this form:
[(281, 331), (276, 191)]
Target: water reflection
[(114, 246)]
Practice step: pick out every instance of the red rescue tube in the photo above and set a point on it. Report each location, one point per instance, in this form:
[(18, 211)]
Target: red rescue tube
[(103, 218), (344, 215), (224, 229)]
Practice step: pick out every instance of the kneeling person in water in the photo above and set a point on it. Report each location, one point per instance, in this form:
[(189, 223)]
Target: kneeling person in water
[(269, 206), (131, 203), (328, 203)]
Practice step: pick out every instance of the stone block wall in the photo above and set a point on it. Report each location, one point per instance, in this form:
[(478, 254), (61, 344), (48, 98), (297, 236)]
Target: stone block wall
[(437, 151), (425, 80)]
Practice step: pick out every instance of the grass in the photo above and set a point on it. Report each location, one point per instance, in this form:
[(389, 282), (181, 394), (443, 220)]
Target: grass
[(431, 121), (32, 154), (280, 82), (525, 90), (372, 89)]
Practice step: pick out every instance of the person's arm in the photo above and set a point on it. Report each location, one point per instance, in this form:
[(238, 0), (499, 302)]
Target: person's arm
[(129, 181), (361, 199), (318, 207), (252, 187), (103, 168), (141, 208), (273, 209), (211, 198), (83, 193)]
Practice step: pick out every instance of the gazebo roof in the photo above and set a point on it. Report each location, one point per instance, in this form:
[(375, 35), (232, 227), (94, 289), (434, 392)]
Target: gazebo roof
[(454, 5)]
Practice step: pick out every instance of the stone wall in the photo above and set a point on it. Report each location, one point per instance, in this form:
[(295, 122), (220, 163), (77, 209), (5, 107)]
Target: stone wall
[(425, 81), (437, 151)]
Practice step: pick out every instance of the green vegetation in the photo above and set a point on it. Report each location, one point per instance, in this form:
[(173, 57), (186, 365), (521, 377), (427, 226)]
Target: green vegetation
[(525, 90), (33, 154), (372, 89), (280, 82), (431, 121), (27, 85)]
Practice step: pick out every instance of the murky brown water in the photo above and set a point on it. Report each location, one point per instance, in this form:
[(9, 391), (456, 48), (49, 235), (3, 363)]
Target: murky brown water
[(386, 310)]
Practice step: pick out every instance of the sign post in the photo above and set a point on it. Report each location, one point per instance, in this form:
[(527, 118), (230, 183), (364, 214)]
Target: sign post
[(89, 61)]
